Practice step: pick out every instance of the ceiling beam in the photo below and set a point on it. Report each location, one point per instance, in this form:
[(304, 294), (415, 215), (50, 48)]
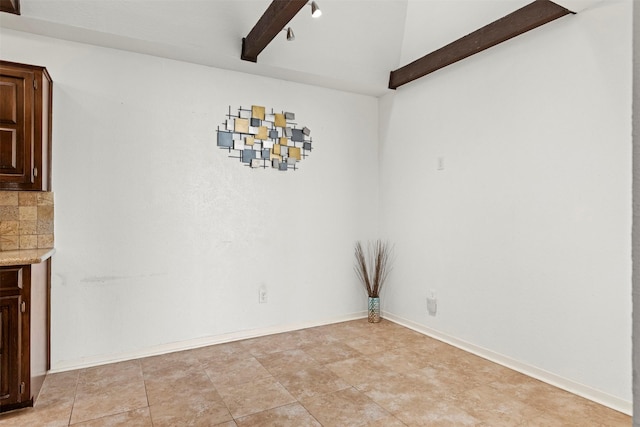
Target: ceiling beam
[(11, 6), (522, 20), (272, 22)]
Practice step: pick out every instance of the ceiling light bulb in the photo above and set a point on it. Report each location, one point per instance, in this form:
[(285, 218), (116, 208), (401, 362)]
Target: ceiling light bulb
[(315, 10), (290, 36)]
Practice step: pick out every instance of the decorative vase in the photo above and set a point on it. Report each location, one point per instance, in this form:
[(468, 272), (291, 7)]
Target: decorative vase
[(374, 310)]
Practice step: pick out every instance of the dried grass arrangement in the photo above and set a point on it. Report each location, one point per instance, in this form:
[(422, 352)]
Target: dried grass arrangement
[(373, 267)]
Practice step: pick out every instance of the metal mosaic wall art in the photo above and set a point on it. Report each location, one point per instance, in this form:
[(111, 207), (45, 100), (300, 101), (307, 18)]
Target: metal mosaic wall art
[(264, 140)]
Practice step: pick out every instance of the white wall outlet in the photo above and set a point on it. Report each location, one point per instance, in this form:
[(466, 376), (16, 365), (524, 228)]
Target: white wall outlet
[(432, 303), (262, 295)]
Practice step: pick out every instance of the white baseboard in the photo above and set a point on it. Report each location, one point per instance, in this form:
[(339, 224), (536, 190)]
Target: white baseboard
[(87, 362), (582, 390)]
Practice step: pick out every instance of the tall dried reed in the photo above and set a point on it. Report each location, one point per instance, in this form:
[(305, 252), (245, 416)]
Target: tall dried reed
[(373, 266)]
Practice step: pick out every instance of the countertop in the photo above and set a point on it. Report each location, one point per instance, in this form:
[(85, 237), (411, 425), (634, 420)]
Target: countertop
[(25, 256)]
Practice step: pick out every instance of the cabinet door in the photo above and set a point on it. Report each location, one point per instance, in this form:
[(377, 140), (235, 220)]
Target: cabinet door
[(16, 127), (10, 375)]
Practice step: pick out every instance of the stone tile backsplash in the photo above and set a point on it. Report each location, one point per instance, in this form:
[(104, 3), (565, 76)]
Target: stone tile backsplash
[(26, 220)]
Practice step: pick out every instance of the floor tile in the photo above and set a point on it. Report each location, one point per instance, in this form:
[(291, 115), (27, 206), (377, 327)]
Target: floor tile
[(427, 346), (53, 406), (109, 390), (172, 385), (195, 409), (236, 371), (292, 415), (346, 407), (445, 381), (329, 353), (571, 408), (311, 382), (270, 344), (440, 413), (369, 344), (388, 421), (402, 391), (231, 350), (178, 361), (477, 370), (400, 359), (394, 333), (495, 408), (58, 385), (345, 330), (314, 337), (108, 401), (553, 420), (255, 396), (288, 361), (357, 370), (136, 418), (56, 412), (114, 374)]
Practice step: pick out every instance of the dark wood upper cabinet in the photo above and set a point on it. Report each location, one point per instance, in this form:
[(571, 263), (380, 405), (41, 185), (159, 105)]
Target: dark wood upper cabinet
[(25, 127)]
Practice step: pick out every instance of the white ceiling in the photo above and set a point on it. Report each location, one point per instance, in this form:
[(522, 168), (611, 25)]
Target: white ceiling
[(353, 46)]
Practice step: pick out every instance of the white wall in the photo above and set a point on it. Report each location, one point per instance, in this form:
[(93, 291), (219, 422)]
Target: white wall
[(161, 238), (636, 213), (525, 234)]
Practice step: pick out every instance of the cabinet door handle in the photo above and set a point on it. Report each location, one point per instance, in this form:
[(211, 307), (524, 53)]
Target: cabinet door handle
[(35, 171), (23, 307)]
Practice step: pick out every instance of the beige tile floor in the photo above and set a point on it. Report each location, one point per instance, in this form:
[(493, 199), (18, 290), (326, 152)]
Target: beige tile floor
[(345, 374)]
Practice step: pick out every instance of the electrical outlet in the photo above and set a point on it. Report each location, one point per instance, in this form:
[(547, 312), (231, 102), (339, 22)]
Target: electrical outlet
[(432, 303), (262, 295)]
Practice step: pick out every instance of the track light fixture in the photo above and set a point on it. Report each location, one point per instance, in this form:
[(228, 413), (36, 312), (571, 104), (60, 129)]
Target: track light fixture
[(315, 10), (273, 20), (290, 36)]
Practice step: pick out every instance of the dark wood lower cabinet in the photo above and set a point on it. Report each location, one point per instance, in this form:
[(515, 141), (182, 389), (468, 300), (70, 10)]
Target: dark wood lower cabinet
[(10, 379), (24, 333)]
